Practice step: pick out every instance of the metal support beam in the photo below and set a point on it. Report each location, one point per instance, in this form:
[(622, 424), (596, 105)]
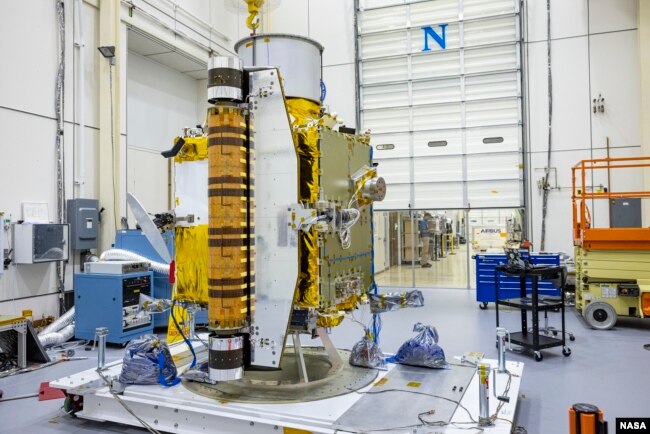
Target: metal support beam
[(332, 353), (21, 331), (297, 348)]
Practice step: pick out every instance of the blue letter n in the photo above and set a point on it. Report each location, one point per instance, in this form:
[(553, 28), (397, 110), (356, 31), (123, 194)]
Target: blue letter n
[(440, 39)]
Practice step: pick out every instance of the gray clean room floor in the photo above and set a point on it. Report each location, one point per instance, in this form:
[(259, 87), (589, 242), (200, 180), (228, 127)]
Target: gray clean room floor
[(607, 368)]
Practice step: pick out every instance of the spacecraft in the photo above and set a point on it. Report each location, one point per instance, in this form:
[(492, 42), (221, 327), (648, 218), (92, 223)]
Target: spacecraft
[(285, 213)]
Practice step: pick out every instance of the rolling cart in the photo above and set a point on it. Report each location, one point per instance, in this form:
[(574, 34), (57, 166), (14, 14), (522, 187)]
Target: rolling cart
[(509, 286), (532, 339)]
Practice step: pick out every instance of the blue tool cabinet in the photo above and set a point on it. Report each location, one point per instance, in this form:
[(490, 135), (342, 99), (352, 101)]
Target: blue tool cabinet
[(509, 286)]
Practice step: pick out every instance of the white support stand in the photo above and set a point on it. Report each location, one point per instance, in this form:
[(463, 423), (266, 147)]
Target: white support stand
[(178, 410)]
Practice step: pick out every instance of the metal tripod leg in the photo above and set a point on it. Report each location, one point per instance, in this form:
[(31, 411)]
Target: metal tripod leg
[(191, 311), (332, 352), (297, 348)]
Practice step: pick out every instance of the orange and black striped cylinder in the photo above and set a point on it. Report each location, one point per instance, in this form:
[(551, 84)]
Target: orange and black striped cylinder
[(231, 235), (586, 419)]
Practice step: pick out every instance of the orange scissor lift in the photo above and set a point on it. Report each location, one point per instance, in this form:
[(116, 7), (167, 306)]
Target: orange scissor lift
[(612, 264)]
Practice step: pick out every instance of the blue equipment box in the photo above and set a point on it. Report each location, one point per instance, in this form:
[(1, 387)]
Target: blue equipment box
[(135, 241), (509, 287), (111, 300)]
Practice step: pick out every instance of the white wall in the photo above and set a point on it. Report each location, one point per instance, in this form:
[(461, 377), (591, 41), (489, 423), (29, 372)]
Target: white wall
[(27, 157), (27, 116), (160, 102), (594, 51), (331, 23)]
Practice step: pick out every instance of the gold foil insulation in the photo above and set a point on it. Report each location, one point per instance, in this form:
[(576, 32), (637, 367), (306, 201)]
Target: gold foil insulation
[(305, 139), (230, 229), (191, 251), (336, 316), (194, 149), (370, 172), (330, 319)]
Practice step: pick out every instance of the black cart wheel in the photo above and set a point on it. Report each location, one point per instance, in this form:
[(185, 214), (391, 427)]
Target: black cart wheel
[(566, 351), (483, 305), (538, 356), (572, 338)]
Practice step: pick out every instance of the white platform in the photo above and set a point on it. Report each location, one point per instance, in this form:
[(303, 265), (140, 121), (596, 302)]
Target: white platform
[(177, 410)]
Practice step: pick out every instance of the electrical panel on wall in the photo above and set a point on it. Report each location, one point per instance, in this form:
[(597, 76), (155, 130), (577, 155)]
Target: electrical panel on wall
[(36, 243), (83, 217)]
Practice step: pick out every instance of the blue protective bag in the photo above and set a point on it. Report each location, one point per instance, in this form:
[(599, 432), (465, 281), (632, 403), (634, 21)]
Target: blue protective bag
[(147, 360), (421, 350)]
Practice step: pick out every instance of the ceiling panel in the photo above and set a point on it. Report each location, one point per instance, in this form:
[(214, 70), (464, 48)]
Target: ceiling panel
[(144, 46), (176, 61), (201, 74), (158, 52)]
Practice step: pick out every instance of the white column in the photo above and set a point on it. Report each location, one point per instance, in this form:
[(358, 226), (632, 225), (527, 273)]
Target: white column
[(110, 193), (644, 56)]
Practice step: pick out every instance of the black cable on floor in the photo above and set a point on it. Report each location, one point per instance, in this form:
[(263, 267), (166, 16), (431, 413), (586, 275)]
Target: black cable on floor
[(15, 398)]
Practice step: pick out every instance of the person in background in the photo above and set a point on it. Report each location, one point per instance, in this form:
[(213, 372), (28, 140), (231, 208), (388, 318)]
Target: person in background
[(426, 235)]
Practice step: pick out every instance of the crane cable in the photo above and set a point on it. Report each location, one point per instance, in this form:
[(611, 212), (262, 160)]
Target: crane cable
[(550, 118)]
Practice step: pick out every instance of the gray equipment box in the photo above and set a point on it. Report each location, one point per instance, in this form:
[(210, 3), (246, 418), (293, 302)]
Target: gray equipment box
[(40, 242), (83, 217), (116, 267), (625, 213)]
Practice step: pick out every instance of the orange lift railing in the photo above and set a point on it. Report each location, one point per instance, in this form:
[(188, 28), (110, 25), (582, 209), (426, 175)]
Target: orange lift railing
[(591, 238)]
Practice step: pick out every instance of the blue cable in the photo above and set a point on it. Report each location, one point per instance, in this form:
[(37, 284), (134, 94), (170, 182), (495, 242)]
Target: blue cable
[(180, 330), (161, 377), (376, 318)]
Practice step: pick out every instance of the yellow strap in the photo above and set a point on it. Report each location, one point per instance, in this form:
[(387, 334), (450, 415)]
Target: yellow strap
[(182, 317)]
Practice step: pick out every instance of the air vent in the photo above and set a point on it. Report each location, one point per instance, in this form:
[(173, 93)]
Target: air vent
[(437, 143), (385, 147)]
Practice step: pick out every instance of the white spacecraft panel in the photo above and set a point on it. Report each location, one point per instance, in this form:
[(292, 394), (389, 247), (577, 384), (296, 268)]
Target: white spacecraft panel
[(276, 191), (190, 180)]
